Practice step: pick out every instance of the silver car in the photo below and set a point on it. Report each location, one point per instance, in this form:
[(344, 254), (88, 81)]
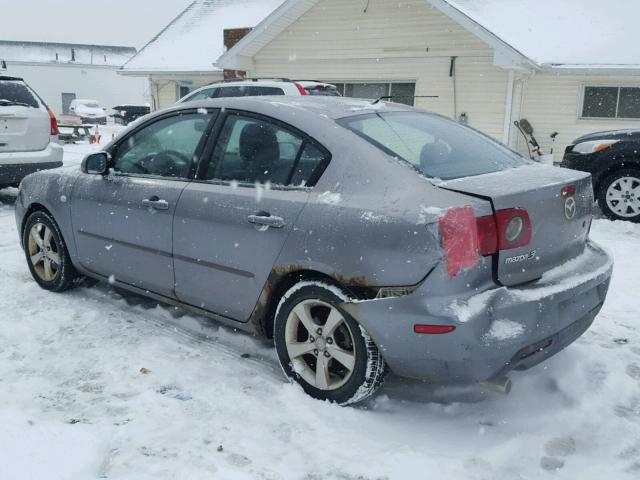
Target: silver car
[(362, 236)]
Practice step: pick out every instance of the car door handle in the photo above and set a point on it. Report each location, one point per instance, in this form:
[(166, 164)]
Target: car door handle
[(267, 220), (155, 202)]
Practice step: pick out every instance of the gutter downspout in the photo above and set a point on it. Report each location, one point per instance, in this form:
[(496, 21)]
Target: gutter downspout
[(452, 74), (508, 108)]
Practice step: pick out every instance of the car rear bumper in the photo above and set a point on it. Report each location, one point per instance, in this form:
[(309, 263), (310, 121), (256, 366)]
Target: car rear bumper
[(14, 166), (496, 331)]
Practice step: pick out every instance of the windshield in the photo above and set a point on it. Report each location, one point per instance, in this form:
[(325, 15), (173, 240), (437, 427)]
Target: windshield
[(90, 104), (437, 147)]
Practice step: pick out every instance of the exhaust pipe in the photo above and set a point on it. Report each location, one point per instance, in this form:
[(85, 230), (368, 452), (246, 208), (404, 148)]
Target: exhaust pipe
[(499, 385)]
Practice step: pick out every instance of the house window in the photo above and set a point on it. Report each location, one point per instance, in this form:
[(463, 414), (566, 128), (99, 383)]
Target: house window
[(402, 92), (611, 102)]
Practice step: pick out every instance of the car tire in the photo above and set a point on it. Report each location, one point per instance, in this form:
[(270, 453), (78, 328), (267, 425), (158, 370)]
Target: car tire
[(616, 198), (47, 255), (302, 339)]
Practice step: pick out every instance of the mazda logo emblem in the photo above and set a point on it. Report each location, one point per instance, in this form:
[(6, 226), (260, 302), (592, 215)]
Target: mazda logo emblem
[(570, 208)]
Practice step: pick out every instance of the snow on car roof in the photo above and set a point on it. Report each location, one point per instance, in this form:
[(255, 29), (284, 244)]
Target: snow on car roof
[(194, 40), (328, 107), (567, 32)]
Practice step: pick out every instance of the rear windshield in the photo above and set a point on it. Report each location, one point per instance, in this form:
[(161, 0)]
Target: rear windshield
[(15, 92), (434, 145)]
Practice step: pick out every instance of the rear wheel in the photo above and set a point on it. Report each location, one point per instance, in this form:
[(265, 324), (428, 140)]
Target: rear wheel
[(619, 195), (47, 254), (322, 348)]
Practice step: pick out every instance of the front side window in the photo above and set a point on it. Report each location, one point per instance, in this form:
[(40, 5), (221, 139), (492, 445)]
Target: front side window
[(254, 150), (165, 148), (611, 102), (435, 146)]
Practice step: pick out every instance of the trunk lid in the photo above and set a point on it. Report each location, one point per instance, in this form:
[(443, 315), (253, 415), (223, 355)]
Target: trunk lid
[(560, 222)]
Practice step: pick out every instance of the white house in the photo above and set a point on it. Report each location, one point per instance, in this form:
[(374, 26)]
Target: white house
[(60, 72), (182, 56), (570, 66)]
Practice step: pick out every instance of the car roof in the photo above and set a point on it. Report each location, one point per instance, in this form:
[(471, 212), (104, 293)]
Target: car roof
[(275, 106), (6, 77)]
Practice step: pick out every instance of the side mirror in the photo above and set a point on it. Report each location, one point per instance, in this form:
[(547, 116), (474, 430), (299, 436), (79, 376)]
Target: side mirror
[(96, 163)]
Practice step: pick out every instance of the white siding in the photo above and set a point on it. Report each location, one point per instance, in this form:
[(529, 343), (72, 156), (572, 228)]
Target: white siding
[(97, 83), (553, 103), (402, 41)]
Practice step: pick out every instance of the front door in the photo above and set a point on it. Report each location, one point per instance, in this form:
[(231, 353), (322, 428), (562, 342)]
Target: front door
[(231, 224), (123, 221)]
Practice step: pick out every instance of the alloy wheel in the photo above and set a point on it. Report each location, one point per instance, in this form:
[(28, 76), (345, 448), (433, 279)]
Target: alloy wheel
[(320, 344), (44, 252), (623, 197)]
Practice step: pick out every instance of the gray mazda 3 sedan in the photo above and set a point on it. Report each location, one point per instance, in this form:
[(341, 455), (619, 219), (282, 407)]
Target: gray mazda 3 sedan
[(362, 237)]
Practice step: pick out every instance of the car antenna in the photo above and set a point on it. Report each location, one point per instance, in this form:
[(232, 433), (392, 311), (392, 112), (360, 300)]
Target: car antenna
[(391, 97)]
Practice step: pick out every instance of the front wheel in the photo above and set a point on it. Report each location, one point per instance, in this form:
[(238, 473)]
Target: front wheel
[(619, 195), (47, 254), (322, 348)]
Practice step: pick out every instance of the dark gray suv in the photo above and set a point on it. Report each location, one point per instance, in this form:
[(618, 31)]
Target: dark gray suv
[(361, 236)]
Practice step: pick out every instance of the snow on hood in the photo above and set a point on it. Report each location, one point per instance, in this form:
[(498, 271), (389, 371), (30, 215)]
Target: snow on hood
[(567, 32)]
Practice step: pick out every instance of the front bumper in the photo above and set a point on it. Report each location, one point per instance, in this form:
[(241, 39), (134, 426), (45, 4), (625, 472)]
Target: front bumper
[(14, 166), (498, 330)]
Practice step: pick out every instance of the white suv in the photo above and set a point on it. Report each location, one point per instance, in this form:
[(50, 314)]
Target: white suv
[(27, 126), (253, 87)]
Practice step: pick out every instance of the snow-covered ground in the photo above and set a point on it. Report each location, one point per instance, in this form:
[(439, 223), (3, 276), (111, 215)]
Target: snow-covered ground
[(94, 384)]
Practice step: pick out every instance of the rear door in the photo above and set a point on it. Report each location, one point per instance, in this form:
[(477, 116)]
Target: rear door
[(231, 224), (24, 121), (123, 221)]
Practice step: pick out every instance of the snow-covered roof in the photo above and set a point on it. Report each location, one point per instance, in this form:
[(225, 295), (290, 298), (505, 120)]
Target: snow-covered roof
[(193, 41), (572, 34), (68, 53), (563, 32)]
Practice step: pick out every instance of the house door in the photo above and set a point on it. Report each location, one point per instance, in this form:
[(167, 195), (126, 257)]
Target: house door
[(67, 98)]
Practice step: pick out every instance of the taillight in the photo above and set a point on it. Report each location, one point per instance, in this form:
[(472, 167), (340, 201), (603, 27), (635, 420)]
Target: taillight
[(301, 89), (53, 122), (487, 235), (460, 239), (514, 228), (465, 238)]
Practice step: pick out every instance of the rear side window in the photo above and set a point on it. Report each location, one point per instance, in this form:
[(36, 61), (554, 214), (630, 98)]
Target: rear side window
[(248, 91), (255, 150), (201, 95), (14, 92), (435, 146)]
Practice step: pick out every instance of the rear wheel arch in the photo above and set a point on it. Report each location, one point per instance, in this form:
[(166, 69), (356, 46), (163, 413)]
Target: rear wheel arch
[(278, 285)]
